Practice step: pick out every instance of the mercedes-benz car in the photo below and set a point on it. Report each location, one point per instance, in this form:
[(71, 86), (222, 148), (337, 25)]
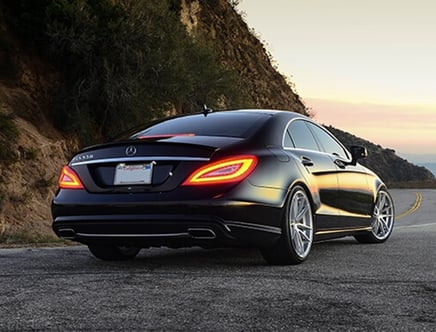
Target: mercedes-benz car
[(275, 180)]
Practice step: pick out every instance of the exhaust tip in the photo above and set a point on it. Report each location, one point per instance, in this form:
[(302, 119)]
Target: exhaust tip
[(202, 233), (67, 233)]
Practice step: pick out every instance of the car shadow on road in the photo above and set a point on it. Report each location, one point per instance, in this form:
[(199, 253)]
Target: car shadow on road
[(220, 257), (198, 256)]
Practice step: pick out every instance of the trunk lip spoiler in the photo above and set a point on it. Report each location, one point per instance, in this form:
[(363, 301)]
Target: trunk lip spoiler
[(137, 159), (205, 142)]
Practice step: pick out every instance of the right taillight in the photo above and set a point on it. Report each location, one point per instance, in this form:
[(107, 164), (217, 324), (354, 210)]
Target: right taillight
[(230, 170), (69, 179)]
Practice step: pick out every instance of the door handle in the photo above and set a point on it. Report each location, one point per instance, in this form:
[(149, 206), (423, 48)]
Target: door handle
[(306, 161)]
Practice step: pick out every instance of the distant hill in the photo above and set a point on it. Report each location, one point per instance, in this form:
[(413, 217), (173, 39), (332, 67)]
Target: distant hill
[(389, 166), (429, 166)]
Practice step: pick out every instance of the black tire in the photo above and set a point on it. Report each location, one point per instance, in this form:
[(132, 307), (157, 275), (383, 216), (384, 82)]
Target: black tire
[(113, 253), (296, 240), (383, 217)]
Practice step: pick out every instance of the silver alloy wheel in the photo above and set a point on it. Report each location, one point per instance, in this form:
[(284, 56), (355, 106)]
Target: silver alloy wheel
[(301, 224), (383, 216)]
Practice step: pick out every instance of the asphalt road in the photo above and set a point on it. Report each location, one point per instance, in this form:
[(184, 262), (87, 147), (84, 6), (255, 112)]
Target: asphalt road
[(342, 286)]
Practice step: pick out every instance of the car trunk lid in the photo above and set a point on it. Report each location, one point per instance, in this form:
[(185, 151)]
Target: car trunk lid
[(156, 164)]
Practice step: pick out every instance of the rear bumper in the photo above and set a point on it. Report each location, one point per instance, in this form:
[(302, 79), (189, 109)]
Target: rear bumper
[(170, 230), (206, 223)]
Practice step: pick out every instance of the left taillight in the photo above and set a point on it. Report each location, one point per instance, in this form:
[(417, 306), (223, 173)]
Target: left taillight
[(69, 179), (229, 170)]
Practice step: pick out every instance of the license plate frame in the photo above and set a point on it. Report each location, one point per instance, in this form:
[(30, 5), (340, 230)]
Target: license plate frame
[(133, 174)]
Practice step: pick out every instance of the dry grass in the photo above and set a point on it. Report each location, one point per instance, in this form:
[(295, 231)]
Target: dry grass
[(23, 239)]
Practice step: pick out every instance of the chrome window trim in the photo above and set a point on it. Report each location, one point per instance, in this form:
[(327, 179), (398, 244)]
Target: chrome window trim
[(290, 148), (285, 133), (137, 159)]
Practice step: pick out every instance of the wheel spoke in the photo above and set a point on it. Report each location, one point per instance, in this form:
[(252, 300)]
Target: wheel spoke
[(300, 224), (382, 228), (304, 235), (294, 212), (303, 211), (384, 221), (300, 245), (307, 227), (383, 216), (376, 226), (382, 202)]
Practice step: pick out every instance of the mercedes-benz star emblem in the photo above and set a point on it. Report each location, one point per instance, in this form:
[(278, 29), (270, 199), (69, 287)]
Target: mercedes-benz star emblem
[(130, 151)]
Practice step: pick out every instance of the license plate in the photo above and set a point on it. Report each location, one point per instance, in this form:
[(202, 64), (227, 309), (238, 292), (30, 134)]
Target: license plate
[(133, 174)]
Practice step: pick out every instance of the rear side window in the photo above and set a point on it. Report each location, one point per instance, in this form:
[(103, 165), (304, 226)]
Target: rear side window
[(329, 144), (301, 136)]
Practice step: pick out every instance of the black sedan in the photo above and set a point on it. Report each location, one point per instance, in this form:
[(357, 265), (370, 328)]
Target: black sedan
[(269, 179)]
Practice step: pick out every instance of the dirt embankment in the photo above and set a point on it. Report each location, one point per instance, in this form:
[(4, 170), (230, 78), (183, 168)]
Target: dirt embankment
[(28, 178)]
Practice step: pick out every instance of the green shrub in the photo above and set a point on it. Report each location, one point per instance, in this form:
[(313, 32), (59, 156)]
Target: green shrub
[(128, 64), (124, 62)]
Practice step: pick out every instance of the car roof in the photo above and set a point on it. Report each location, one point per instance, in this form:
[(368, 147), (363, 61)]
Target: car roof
[(260, 110)]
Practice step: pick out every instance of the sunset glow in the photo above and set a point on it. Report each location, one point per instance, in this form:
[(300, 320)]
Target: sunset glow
[(412, 128), (364, 67)]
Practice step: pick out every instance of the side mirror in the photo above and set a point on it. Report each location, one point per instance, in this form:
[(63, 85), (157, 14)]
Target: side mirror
[(357, 152)]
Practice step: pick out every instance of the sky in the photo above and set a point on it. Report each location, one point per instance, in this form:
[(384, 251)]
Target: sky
[(366, 67)]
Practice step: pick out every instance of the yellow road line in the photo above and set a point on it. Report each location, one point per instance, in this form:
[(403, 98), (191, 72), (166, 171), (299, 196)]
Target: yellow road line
[(414, 207)]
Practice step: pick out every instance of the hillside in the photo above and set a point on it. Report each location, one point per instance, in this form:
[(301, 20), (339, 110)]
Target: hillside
[(390, 167), (242, 51), (430, 166), (77, 72)]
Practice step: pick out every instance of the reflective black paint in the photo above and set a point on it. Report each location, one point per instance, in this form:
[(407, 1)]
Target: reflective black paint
[(246, 213)]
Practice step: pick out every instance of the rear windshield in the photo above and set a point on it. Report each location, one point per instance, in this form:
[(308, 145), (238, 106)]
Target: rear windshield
[(228, 124)]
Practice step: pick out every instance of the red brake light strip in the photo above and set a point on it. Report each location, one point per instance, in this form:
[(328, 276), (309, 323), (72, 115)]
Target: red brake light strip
[(162, 136), (228, 170), (69, 179)]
